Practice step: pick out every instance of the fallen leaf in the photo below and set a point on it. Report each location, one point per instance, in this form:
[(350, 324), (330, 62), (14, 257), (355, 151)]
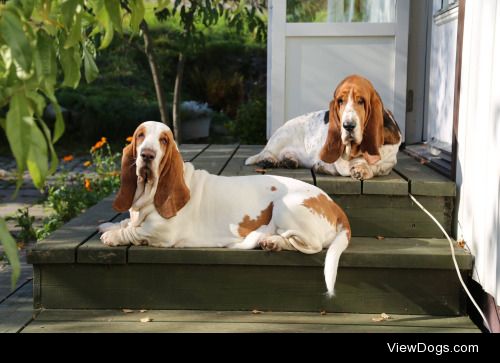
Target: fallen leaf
[(146, 320), (380, 238), (383, 317), (142, 311), (255, 311), (322, 312), (461, 243), (260, 171), (127, 311)]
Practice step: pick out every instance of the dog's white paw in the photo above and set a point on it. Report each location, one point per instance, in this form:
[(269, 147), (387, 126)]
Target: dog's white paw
[(361, 172), (110, 238)]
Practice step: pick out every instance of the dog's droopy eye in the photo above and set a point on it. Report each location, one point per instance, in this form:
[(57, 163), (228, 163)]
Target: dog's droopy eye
[(340, 101), (361, 101), (141, 135), (163, 141)]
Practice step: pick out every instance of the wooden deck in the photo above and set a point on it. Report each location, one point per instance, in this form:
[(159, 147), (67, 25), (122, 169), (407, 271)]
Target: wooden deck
[(406, 270)]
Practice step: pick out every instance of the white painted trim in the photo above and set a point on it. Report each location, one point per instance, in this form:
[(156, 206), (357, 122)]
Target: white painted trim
[(401, 66), (340, 29), (447, 16), (276, 61)]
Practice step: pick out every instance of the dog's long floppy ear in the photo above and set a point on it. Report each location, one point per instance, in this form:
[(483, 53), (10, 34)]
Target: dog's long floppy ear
[(333, 148), (373, 135), (172, 192), (128, 180)]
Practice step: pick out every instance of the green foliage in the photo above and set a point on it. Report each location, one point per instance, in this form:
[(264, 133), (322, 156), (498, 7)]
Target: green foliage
[(250, 123), (71, 194), (25, 222), (10, 249)]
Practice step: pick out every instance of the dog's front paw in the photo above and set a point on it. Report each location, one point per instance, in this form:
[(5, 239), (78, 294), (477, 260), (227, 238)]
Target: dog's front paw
[(111, 238), (104, 227), (361, 172)]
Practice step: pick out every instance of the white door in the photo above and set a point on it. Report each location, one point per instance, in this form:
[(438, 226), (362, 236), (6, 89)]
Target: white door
[(314, 44)]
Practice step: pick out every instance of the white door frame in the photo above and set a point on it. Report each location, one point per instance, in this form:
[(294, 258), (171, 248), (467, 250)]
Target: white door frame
[(279, 30)]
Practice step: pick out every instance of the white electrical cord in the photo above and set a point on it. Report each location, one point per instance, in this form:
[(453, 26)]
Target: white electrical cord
[(454, 260)]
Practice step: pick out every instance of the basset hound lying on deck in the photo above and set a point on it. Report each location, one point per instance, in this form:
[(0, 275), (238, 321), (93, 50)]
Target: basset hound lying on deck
[(173, 205), (356, 137)]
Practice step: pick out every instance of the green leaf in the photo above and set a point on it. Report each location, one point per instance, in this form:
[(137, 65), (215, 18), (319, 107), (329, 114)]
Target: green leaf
[(68, 11), (18, 129), (113, 9), (54, 160), (71, 62), (46, 57), (12, 32), (91, 71), (10, 248), (2, 123), (105, 25), (75, 33), (138, 11), (59, 124), (38, 102), (37, 157)]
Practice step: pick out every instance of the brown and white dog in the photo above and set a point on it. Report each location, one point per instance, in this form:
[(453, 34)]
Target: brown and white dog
[(356, 137), (173, 205)]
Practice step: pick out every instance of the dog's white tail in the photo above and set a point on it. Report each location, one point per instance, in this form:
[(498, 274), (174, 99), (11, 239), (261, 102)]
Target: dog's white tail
[(338, 246), (253, 159)]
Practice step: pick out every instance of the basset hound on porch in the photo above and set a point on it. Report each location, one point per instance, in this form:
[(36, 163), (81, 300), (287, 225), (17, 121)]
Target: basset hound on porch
[(173, 205), (356, 137)]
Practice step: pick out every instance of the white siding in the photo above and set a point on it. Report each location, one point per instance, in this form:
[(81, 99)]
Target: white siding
[(442, 76), (478, 174)]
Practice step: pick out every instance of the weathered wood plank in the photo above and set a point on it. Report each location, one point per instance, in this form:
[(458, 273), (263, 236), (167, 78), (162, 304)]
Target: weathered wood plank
[(391, 184), (236, 165), (424, 180), (209, 327), (396, 216), (111, 316), (17, 309), (94, 251), (304, 175), (190, 151), (214, 158), (240, 287), (60, 246), (362, 252), (337, 185)]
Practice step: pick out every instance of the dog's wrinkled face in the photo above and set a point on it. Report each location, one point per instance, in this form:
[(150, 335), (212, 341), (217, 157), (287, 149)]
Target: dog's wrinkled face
[(151, 141), (352, 101), (356, 125)]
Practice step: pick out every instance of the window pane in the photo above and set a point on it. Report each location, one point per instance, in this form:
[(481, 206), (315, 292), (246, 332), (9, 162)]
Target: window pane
[(341, 11)]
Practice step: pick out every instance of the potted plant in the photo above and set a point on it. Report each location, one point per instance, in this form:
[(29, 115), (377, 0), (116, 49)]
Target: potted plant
[(196, 118)]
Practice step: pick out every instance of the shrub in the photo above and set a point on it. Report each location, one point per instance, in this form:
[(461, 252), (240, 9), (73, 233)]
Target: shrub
[(250, 123)]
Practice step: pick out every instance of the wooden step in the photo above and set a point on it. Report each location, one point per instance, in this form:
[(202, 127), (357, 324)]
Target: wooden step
[(184, 321), (396, 275)]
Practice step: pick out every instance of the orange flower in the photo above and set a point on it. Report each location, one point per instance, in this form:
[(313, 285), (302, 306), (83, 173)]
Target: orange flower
[(87, 185), (129, 139), (99, 144), (68, 158), (87, 163)]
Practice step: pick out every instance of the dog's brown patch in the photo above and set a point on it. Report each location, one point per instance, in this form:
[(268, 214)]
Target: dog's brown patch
[(328, 209), (248, 225), (273, 188)]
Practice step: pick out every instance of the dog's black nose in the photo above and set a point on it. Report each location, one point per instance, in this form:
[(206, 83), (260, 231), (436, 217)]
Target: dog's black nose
[(148, 155), (349, 125)]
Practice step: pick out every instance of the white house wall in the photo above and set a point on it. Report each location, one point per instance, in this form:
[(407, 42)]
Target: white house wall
[(478, 174), (442, 77), (316, 65)]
